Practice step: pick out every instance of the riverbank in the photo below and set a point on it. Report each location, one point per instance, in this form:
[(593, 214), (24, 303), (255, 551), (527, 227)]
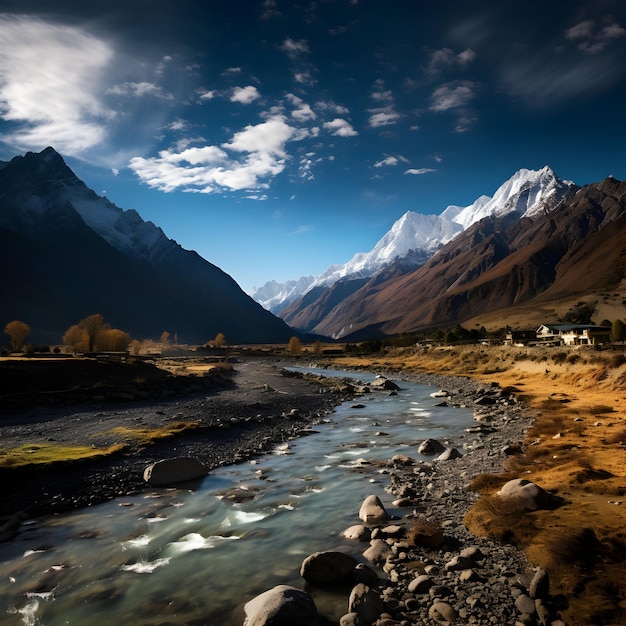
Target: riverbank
[(574, 448), (229, 421), (262, 407)]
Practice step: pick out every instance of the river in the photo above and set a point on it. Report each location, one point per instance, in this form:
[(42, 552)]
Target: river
[(193, 556)]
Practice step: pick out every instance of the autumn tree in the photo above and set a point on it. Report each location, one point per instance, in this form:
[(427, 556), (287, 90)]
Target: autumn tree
[(165, 337), (93, 325), (295, 346), (135, 347), (317, 347), (219, 341), (114, 340), (17, 331), (76, 338), (618, 330)]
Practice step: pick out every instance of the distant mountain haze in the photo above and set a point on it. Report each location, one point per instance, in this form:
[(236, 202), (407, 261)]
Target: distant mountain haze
[(66, 253)]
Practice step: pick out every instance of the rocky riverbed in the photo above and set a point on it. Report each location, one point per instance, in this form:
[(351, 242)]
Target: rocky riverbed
[(424, 568)]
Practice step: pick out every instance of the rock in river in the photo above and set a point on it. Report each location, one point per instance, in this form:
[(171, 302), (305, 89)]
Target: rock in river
[(176, 470)]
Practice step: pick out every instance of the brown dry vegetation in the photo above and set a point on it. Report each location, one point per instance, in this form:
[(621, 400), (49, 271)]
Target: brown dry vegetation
[(576, 449)]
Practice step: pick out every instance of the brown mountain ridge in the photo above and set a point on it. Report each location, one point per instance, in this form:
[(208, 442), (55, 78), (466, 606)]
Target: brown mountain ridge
[(497, 267)]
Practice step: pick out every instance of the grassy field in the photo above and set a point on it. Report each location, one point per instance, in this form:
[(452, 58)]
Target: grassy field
[(576, 449)]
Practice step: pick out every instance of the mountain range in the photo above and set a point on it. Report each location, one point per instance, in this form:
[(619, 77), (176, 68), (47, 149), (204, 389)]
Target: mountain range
[(538, 245), (415, 237), (66, 253), (537, 240)]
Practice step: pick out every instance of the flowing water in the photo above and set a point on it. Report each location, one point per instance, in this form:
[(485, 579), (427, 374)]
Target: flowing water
[(192, 556)]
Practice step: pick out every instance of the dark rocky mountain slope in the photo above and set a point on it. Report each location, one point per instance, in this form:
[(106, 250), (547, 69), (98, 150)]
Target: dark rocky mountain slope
[(66, 253)]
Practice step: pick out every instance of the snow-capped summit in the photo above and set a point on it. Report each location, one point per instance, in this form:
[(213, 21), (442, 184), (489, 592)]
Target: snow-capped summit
[(418, 236), (274, 296), (526, 193), (413, 232)]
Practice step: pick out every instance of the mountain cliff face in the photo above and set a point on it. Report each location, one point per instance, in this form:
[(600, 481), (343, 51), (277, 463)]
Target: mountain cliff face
[(66, 253), (415, 238), (499, 262)]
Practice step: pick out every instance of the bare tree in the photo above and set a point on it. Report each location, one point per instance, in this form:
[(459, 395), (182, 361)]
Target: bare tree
[(17, 331), (165, 337)]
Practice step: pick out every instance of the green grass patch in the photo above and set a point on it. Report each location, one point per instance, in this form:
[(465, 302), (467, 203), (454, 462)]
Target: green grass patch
[(48, 453)]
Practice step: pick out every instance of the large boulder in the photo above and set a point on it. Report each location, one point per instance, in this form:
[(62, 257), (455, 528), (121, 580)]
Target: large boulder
[(525, 493), (431, 446), (372, 510), (281, 606), (328, 568), (384, 383), (176, 470), (366, 603), (378, 552)]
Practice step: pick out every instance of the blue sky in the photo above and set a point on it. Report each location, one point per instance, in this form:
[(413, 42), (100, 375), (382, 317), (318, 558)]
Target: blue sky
[(276, 137)]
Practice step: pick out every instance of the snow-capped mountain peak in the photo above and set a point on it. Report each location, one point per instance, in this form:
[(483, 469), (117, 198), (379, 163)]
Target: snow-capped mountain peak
[(526, 193)]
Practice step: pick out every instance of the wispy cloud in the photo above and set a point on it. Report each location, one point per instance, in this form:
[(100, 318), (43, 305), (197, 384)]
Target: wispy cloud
[(420, 171), (446, 59), (51, 85), (592, 38), (452, 96), (293, 49), (138, 90), (391, 161), (340, 127), (305, 228), (249, 161), (384, 114)]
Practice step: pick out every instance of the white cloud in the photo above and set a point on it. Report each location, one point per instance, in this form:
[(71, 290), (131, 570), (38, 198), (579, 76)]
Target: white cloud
[(446, 59), (332, 107), (390, 160), (384, 115), (50, 85), (304, 112), (340, 127), (593, 40), (452, 96), (138, 90), (208, 95), (420, 171), (245, 95), (293, 48), (248, 161)]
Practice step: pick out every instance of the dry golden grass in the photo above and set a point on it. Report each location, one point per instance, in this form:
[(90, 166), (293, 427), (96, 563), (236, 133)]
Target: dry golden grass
[(147, 436), (49, 453), (576, 449)]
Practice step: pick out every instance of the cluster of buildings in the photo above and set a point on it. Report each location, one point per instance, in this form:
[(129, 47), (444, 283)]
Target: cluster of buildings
[(560, 334)]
